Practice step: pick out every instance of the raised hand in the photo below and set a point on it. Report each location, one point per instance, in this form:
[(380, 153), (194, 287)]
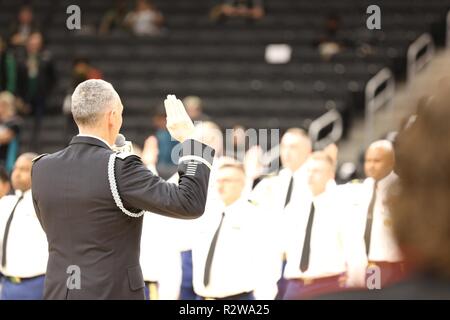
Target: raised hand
[(179, 123)]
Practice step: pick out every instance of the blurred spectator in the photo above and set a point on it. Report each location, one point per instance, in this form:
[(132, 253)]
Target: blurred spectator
[(145, 19), (23, 27), (194, 108), (8, 72), (82, 70), (150, 153), (331, 42), (248, 9), (5, 184), (114, 19), (36, 78), (165, 143), (236, 143), (9, 131)]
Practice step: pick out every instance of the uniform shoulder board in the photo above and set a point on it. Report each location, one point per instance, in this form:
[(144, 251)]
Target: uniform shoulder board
[(124, 155), (39, 157), (253, 202), (356, 181)]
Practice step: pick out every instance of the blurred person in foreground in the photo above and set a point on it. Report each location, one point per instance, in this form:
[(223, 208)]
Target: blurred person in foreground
[(92, 210), (419, 200), (23, 242)]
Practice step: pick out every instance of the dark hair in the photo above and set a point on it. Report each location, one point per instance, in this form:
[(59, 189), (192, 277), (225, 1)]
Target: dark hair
[(4, 176), (419, 201)]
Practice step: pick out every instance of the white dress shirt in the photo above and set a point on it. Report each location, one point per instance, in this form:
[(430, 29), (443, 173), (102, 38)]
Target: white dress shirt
[(271, 192), (383, 246), (241, 260), (27, 247), (160, 260), (327, 256)]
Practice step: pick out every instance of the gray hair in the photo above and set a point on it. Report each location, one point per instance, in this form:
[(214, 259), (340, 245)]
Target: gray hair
[(90, 100)]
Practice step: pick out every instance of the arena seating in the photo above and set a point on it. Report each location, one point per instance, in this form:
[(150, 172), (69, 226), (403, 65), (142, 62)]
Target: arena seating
[(225, 65)]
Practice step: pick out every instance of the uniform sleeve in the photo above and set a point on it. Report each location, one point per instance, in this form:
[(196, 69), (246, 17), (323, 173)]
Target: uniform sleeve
[(140, 189)]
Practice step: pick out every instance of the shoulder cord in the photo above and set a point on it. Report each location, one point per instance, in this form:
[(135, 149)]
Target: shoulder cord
[(115, 192)]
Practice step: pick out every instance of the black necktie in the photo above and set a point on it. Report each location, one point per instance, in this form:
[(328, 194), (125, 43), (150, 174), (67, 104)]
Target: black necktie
[(212, 248), (289, 192), (304, 261), (5, 235), (369, 219)]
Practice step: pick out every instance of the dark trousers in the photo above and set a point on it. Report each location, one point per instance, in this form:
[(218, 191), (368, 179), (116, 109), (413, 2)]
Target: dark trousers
[(300, 289), (187, 288), (25, 289)]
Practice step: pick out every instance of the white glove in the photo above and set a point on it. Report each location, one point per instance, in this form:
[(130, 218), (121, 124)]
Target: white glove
[(179, 123)]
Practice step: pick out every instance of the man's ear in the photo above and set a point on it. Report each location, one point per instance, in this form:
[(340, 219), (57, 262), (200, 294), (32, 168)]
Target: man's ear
[(111, 115)]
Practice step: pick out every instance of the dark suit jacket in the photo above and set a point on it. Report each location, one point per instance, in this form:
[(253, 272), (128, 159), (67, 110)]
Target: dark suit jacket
[(85, 228)]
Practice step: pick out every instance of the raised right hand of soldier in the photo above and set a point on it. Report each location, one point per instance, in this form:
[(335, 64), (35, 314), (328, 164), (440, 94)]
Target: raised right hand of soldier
[(179, 123)]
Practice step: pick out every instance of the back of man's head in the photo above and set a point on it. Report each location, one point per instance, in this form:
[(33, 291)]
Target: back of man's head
[(90, 100)]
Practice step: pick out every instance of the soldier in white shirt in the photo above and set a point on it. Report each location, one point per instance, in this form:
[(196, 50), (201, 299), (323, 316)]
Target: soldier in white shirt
[(276, 192), (373, 243), (24, 248), (186, 230), (230, 256), (316, 262)]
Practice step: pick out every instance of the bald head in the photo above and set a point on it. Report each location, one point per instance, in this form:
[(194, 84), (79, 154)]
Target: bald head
[(209, 133), (21, 174), (295, 148), (379, 160)]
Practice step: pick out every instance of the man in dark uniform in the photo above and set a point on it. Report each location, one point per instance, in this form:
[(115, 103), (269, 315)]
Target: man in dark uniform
[(89, 198)]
